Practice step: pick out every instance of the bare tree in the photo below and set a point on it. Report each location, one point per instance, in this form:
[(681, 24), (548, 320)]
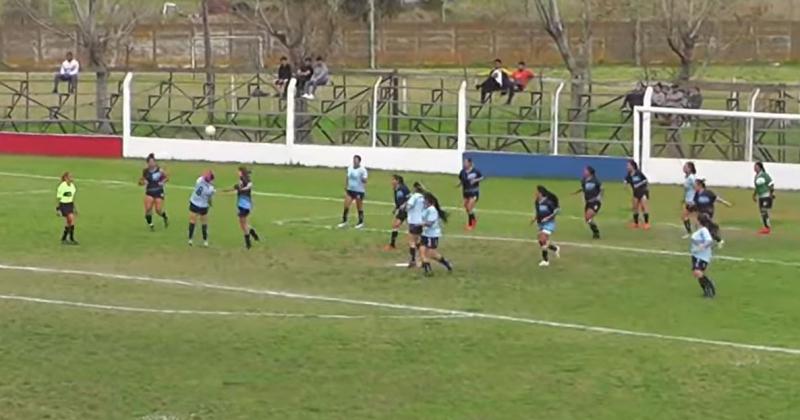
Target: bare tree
[(577, 58), (689, 24), (101, 26), (302, 27), (209, 89)]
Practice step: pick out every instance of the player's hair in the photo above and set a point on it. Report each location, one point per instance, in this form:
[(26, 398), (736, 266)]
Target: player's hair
[(208, 175), (692, 168), (700, 182), (399, 179), (244, 170), (591, 170), (760, 165), (497, 60), (64, 176), (357, 157), (418, 187), (633, 164), (284, 58), (319, 58), (151, 156), (548, 194), (706, 222), (429, 197), (521, 63)]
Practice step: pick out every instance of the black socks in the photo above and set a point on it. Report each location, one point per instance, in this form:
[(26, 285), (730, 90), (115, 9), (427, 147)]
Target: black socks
[(191, 231), (646, 218), (149, 219), (688, 226), (204, 229), (361, 217), (636, 218), (595, 230), (69, 233), (765, 219), (344, 215), (254, 234), (393, 241)]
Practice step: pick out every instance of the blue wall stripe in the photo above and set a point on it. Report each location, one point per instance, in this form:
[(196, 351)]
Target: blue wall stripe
[(519, 165)]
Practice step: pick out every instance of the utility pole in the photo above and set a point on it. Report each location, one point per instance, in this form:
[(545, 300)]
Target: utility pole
[(372, 59), (210, 86)]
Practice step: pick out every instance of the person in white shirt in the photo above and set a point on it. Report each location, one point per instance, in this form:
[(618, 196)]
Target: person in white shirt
[(68, 73), (355, 191)]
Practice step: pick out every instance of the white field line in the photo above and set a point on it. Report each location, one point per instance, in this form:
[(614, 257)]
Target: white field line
[(318, 198), (29, 192), (130, 309), (299, 222), (415, 308)]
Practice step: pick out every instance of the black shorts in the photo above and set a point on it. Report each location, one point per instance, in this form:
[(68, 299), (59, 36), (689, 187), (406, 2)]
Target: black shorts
[(415, 229), (430, 243), (243, 211), (355, 195), (66, 209), (707, 212), (699, 265), (198, 210), (690, 207), (640, 194), (157, 194), (765, 203), (472, 194), (401, 215), (595, 206)]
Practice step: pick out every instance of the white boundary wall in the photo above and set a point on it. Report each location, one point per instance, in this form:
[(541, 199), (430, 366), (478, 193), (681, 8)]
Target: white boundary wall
[(718, 173), (289, 153)]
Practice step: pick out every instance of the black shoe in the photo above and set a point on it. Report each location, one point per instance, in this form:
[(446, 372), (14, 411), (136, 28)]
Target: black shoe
[(712, 289), (412, 264), (255, 235), (73, 242), (596, 236), (152, 228)]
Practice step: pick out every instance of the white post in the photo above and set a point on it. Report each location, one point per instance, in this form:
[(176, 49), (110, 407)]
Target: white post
[(463, 114), (234, 105), (646, 131), (126, 113), (291, 94), (372, 60), (637, 136), (404, 95), (374, 110), (554, 114), (751, 127)]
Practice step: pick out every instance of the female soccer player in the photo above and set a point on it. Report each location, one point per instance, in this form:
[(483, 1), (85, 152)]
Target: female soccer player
[(592, 190), (65, 207), (154, 178), (764, 194), (432, 219), (469, 179), (546, 210), (244, 204), (704, 200), (415, 206), (200, 203), (355, 190), (641, 194), (401, 194), (700, 248), (689, 207)]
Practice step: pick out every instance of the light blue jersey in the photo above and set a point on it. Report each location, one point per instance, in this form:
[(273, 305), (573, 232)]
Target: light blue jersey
[(356, 179), (702, 243), (432, 225), (688, 189), (203, 191), (415, 206)]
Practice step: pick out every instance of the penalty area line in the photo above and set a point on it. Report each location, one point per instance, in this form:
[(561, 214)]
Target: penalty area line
[(299, 222), (415, 308), (244, 314)]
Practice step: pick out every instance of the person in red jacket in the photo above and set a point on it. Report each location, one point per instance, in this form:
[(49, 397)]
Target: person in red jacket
[(522, 76)]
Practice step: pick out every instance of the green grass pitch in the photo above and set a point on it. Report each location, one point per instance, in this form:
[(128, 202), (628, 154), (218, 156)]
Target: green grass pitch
[(145, 327)]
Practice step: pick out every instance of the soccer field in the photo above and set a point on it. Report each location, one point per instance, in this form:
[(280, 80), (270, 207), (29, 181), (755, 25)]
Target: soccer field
[(316, 322)]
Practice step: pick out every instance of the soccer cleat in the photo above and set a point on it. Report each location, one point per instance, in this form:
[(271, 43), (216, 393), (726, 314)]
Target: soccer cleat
[(634, 226), (191, 242), (764, 231), (646, 226), (255, 235), (712, 288), (166, 223), (721, 244), (558, 252), (342, 225), (544, 264), (205, 244), (152, 228), (389, 248), (360, 226), (595, 236), (73, 242)]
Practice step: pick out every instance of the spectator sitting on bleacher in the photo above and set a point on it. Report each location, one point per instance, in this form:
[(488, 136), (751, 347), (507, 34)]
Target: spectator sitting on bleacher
[(498, 80), (521, 77), (304, 74), (319, 77), (68, 73), (284, 75)]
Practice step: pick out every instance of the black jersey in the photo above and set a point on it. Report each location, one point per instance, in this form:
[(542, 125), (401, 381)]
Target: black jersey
[(467, 178), (545, 208), (592, 189), (705, 200), (401, 194), (637, 181), (154, 179)]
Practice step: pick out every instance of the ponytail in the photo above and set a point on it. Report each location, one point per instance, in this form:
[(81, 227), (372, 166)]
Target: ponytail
[(706, 222), (700, 182), (548, 194), (418, 187), (443, 215)]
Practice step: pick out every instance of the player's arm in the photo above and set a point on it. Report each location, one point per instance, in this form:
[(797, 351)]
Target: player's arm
[(165, 179), (480, 178), (142, 179), (551, 216), (725, 202)]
